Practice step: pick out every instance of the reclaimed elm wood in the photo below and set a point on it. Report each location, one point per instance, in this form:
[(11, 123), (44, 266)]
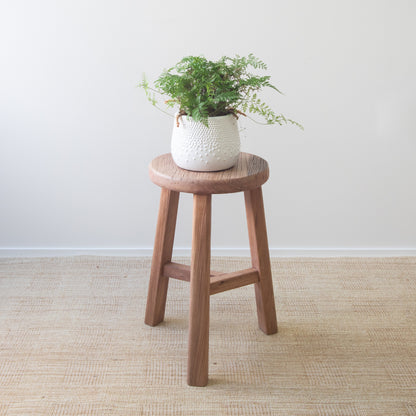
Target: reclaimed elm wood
[(219, 282), (259, 248), (162, 253), (199, 302), (181, 271), (228, 281), (250, 172), (177, 271), (247, 176)]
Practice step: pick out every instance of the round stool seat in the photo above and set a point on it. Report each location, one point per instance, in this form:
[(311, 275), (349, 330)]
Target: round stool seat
[(248, 173)]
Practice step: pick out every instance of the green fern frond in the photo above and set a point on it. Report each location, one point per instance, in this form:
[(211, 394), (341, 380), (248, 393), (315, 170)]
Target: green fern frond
[(203, 88)]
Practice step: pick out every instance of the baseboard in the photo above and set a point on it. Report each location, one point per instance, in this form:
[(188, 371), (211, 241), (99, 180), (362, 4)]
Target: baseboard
[(186, 252)]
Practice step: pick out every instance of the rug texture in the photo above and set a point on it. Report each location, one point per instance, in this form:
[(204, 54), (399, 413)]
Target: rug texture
[(73, 341)]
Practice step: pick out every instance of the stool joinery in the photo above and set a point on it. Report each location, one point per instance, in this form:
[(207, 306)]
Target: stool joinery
[(247, 176)]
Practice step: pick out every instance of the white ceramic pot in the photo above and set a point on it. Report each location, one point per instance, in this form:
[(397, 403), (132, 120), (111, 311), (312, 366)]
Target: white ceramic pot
[(201, 148)]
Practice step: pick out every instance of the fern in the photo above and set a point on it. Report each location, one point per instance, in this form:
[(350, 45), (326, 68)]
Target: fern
[(201, 88)]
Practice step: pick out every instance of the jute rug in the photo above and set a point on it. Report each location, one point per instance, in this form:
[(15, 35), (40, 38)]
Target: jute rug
[(73, 342)]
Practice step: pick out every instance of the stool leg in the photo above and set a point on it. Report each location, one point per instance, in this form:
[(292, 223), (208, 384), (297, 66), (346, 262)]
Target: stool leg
[(200, 286), (162, 253), (256, 222)]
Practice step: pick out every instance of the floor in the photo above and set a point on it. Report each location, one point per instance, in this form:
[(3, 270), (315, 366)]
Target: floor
[(73, 341)]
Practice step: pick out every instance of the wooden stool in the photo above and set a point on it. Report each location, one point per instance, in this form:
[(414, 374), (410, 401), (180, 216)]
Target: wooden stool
[(247, 176)]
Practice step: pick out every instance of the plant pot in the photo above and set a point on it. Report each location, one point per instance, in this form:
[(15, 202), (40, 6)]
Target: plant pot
[(198, 147)]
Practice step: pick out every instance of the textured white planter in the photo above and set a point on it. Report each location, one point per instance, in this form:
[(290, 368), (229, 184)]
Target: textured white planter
[(201, 148)]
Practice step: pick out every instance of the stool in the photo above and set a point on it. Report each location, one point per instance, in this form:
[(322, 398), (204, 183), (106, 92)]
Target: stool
[(247, 176)]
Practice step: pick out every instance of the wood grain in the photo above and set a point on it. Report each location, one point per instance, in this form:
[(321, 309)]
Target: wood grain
[(219, 282), (228, 281), (259, 247), (250, 172), (162, 253), (247, 175), (200, 286), (181, 271)]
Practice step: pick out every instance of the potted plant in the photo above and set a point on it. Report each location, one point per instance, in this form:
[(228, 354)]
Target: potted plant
[(210, 96)]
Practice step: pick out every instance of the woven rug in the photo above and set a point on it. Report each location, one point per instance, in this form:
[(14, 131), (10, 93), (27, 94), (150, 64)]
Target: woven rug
[(73, 341)]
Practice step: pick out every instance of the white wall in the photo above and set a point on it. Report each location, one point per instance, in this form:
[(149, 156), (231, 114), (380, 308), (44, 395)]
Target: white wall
[(76, 135)]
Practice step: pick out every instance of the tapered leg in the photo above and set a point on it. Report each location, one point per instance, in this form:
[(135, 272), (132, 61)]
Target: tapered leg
[(162, 253), (259, 247), (200, 286)]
